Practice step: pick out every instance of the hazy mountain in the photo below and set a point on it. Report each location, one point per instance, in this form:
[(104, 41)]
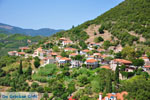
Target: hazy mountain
[(4, 28)]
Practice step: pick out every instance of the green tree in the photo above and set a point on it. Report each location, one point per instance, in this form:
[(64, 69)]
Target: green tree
[(117, 74), (109, 84), (45, 96), (98, 39), (20, 68), (138, 62), (106, 44), (40, 89), (101, 29), (36, 63), (55, 48), (29, 71), (71, 87), (128, 52), (34, 85)]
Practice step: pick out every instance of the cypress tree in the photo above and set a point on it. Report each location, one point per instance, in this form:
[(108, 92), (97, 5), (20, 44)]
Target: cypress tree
[(109, 84), (117, 75), (29, 71), (20, 67)]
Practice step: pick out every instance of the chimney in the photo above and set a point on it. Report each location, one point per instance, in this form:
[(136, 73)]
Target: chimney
[(100, 96)]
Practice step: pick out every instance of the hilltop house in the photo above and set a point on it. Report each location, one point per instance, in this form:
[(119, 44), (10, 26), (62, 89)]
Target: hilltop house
[(64, 60), (62, 39), (75, 63), (84, 52), (100, 50), (70, 49), (58, 58), (24, 49), (118, 62), (37, 52), (73, 55), (67, 42), (147, 69), (105, 67), (113, 96), (97, 56), (21, 53), (13, 53), (146, 60), (90, 57), (49, 60), (91, 63)]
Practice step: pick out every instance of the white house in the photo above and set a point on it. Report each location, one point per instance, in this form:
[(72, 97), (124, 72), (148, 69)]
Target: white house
[(84, 52), (64, 60), (24, 48), (13, 53), (58, 58), (91, 63), (118, 62), (70, 49), (146, 60), (73, 55), (66, 43), (113, 96), (49, 60), (75, 63), (147, 69)]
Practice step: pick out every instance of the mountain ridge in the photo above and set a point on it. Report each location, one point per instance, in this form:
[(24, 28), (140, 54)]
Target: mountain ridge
[(31, 32)]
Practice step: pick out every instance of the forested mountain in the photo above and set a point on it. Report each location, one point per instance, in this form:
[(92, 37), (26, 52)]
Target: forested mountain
[(131, 16), (10, 42), (4, 28)]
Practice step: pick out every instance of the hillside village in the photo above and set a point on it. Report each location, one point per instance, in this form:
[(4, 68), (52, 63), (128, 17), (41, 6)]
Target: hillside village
[(94, 56), (106, 58)]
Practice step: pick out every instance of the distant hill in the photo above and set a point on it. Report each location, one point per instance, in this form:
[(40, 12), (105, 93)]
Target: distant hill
[(129, 22), (9, 42), (4, 28)]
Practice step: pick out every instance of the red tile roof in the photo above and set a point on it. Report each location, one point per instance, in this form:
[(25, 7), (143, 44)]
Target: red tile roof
[(21, 53), (147, 66), (106, 67), (63, 39), (119, 96), (71, 98), (65, 58), (144, 57), (54, 54), (12, 52), (100, 50), (73, 54), (24, 48), (70, 49), (123, 61), (59, 56), (86, 50), (67, 41), (39, 49), (97, 54), (91, 61)]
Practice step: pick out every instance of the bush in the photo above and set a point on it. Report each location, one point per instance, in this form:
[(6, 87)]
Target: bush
[(34, 85), (98, 39)]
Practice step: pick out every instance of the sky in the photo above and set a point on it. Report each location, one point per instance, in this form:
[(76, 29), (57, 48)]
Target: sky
[(55, 14)]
